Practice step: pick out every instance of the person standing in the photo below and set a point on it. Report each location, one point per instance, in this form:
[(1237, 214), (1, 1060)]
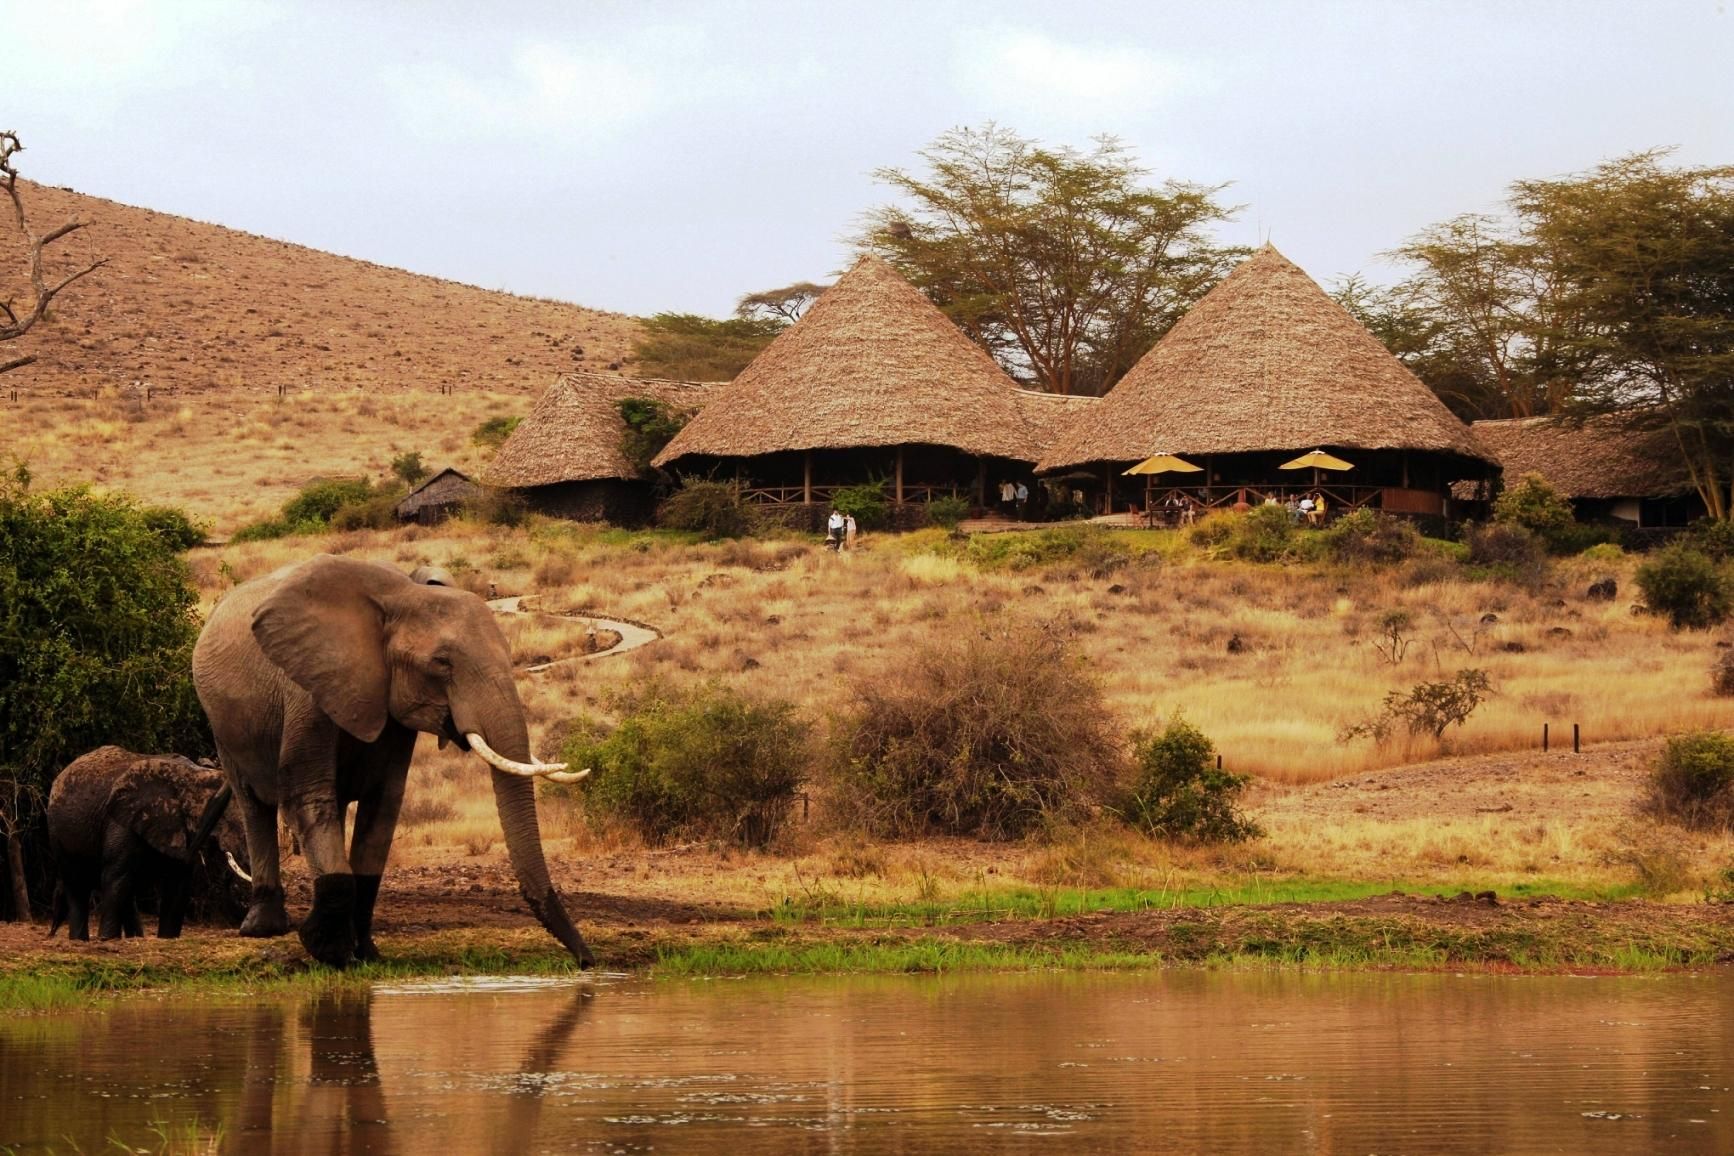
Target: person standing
[(1022, 494), (834, 530), (848, 531)]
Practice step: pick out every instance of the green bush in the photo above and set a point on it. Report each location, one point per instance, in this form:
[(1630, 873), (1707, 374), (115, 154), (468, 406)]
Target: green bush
[(318, 502), (1604, 552), (173, 526), (1091, 547), (1686, 586), (1370, 537), (1693, 781), (376, 513), (494, 432), (995, 731), (497, 507), (1212, 530), (1179, 793), (1539, 508), (711, 509), (947, 512), (650, 426), (1712, 538), (708, 764), (1262, 534), (97, 623), (867, 502)]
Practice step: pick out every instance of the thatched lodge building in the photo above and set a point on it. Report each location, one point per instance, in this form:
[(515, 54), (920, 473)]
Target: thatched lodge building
[(1266, 367), (873, 383), (437, 497), (1612, 469), (567, 457)]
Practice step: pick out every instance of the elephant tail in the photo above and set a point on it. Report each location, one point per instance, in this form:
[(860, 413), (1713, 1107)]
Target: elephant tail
[(58, 907)]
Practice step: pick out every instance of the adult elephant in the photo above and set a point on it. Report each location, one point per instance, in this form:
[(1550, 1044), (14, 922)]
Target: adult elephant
[(317, 680), (119, 821)]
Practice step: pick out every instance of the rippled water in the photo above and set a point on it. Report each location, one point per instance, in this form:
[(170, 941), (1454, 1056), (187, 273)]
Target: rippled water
[(1176, 1061)]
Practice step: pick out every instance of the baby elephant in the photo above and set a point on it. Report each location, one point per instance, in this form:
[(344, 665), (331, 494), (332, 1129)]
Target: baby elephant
[(117, 820)]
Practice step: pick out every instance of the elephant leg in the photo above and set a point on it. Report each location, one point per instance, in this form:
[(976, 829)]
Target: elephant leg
[(172, 909), (266, 915), (116, 913), (375, 823), (328, 931)]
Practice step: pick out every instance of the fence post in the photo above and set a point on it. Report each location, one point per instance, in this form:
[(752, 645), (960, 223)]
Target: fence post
[(1574, 745), (1544, 738), (1219, 762)]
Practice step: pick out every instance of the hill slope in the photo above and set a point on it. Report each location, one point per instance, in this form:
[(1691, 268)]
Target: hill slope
[(195, 307)]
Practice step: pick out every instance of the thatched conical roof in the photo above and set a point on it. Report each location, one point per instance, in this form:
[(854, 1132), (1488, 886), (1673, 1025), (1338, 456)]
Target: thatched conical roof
[(574, 432), (872, 363), (1266, 361)]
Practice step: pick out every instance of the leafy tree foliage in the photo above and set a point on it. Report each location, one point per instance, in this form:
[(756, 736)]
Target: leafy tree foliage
[(97, 624), (688, 347), (650, 425), (713, 509), (1686, 586), (1539, 508), (494, 432), (408, 467), (1065, 266)]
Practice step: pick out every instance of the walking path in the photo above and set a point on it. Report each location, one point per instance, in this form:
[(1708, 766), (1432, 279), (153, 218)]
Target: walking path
[(632, 634)]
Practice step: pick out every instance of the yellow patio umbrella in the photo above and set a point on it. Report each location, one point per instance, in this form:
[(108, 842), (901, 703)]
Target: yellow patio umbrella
[(1317, 460), (1164, 464)]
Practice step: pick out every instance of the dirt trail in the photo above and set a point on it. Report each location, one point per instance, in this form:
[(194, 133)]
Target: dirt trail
[(632, 634)]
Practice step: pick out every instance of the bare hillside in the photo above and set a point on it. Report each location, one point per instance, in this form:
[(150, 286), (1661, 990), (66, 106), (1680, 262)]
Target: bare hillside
[(197, 308)]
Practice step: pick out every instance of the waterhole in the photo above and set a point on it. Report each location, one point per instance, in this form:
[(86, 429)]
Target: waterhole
[(1171, 1061)]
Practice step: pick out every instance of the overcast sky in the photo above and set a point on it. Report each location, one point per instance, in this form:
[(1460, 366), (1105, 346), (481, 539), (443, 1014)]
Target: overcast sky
[(650, 156)]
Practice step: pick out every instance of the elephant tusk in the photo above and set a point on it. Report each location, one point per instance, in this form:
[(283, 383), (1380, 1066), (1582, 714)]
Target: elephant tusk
[(236, 867), (553, 772)]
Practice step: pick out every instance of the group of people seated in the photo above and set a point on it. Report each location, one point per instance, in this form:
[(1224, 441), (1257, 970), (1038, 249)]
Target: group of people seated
[(1309, 508), (1179, 508)]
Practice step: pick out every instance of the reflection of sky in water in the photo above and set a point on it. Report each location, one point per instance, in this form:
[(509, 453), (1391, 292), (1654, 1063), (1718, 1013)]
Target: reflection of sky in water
[(1184, 1060)]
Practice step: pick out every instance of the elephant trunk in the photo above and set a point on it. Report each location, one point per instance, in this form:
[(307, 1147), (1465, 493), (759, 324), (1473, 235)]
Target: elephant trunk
[(504, 729), (516, 799)]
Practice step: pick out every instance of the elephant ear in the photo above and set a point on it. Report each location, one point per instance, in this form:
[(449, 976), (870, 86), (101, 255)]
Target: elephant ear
[(150, 799), (324, 627)]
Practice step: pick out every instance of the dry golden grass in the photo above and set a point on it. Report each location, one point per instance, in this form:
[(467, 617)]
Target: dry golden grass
[(792, 620)]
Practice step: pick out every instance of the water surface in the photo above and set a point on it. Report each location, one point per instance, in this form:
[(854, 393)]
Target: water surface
[(1174, 1060)]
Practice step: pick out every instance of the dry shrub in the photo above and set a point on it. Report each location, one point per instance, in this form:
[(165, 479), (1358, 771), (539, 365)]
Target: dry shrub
[(1722, 674), (996, 731), (556, 570), (421, 808)]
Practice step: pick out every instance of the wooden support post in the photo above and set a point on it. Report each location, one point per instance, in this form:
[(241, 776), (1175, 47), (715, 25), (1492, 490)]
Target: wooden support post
[(981, 481), (1108, 471), (1574, 739), (898, 490), (1544, 738), (1405, 469), (807, 477)]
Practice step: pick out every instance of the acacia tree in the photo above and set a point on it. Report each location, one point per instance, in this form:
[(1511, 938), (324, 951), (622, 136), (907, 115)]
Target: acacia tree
[(14, 324), (1644, 257), (786, 304), (1065, 266)]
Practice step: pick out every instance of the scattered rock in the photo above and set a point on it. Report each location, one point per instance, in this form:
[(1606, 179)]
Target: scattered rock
[(1559, 632), (1602, 590), (748, 662), (1511, 646), (1489, 618), (1236, 644), (1116, 588), (1033, 589), (773, 620)]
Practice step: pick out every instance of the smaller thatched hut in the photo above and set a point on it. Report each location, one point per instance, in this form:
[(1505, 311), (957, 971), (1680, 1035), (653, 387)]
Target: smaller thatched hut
[(1612, 469), (567, 457), (437, 497), (873, 383)]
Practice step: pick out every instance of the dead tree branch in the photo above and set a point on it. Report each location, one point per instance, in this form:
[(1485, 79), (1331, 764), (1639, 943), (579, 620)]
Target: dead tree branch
[(42, 292)]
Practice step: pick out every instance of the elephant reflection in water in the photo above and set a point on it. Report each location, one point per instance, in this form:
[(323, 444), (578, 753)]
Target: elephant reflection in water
[(342, 1109)]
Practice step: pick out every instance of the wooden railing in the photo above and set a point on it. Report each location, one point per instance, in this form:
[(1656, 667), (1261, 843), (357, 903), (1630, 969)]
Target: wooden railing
[(1189, 501), (797, 495)]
